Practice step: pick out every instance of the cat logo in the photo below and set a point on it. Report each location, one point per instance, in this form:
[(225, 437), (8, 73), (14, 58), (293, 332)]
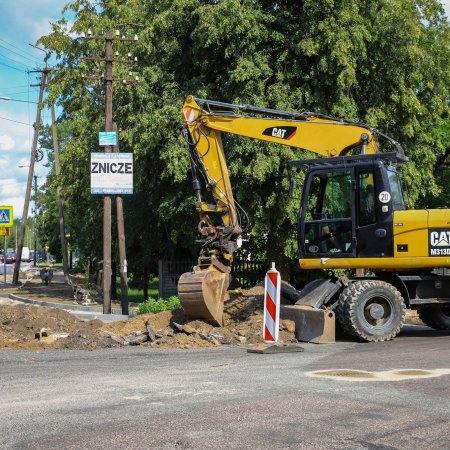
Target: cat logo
[(286, 133), (440, 239), (439, 242)]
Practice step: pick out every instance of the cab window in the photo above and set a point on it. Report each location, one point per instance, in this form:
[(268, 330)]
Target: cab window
[(396, 190), (366, 200), (328, 224)]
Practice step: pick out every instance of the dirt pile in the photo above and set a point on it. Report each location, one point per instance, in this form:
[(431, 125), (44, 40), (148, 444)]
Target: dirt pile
[(21, 327), (21, 324), (243, 321)]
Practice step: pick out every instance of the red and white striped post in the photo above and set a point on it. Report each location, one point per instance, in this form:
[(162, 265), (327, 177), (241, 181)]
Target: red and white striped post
[(272, 305)]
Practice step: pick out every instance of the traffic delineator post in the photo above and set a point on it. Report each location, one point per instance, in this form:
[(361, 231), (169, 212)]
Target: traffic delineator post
[(271, 324)]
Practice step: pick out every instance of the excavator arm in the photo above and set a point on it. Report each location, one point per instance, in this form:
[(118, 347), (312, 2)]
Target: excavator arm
[(203, 291)]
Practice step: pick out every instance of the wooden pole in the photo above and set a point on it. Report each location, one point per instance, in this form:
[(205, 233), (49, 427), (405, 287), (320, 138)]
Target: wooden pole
[(62, 230), (23, 225), (122, 247), (107, 198)]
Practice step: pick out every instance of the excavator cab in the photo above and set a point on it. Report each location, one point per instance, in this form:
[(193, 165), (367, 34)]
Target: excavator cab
[(347, 206)]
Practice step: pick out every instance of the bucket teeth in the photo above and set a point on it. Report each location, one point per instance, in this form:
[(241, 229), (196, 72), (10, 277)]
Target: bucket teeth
[(202, 294)]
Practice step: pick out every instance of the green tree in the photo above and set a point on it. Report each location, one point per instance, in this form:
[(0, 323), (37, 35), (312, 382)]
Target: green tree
[(384, 62)]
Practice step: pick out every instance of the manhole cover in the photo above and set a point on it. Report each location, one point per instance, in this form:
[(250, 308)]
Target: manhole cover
[(344, 373), (389, 375), (414, 372)]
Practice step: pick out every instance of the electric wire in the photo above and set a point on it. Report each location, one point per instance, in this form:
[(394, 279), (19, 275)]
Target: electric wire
[(18, 54), (14, 87), (26, 54), (15, 121), (17, 100), (11, 67), (14, 60), (16, 93)]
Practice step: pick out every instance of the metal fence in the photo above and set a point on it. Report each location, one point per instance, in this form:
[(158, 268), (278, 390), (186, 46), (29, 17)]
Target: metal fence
[(244, 274)]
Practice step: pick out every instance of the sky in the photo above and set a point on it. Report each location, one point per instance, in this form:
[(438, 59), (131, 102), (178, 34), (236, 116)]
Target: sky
[(23, 22)]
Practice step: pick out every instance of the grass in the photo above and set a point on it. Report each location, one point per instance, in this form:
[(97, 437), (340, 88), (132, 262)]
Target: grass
[(137, 295), (154, 306)]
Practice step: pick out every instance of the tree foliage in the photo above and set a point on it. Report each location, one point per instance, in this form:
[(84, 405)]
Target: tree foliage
[(383, 62)]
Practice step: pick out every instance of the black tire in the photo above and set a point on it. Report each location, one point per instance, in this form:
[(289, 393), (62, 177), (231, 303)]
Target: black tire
[(371, 310), (437, 317)]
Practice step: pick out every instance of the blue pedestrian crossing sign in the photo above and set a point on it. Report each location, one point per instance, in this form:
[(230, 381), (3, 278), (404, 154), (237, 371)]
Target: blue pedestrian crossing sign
[(6, 216)]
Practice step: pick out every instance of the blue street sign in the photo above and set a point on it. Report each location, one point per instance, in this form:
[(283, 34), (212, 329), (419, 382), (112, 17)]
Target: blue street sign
[(107, 138), (6, 216)]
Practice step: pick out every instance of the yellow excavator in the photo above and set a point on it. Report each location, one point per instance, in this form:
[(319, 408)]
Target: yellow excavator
[(352, 216)]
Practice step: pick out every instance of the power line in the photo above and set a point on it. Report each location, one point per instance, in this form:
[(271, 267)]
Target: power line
[(14, 87), (15, 93), (14, 60), (16, 121), (18, 54), (11, 67), (15, 100), (17, 48)]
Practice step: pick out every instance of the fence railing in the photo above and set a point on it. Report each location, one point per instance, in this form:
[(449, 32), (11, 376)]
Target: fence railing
[(244, 274)]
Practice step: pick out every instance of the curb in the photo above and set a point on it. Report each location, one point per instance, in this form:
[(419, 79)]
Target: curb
[(83, 312)]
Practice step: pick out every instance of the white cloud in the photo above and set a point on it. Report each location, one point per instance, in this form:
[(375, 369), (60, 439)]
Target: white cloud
[(41, 27), (446, 4), (11, 187), (4, 164), (25, 146), (23, 162), (6, 142), (17, 203)]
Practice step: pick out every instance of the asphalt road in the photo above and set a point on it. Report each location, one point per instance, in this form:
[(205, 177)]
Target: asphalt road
[(137, 398)]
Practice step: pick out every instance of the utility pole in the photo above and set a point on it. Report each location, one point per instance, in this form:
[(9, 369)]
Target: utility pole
[(34, 222), (108, 79), (122, 248), (62, 230), (44, 74)]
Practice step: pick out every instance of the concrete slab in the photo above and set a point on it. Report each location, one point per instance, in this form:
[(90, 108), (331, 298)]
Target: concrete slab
[(83, 312)]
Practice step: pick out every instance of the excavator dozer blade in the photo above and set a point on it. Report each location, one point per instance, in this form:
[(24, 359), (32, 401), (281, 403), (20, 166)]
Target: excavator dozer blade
[(203, 293), (311, 324)]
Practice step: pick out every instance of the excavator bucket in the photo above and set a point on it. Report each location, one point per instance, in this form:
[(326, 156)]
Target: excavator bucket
[(202, 294)]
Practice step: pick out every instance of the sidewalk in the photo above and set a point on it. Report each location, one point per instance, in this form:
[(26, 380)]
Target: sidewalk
[(57, 294)]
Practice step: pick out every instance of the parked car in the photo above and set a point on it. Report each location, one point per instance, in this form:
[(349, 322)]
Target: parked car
[(26, 254), (10, 258), (40, 256)]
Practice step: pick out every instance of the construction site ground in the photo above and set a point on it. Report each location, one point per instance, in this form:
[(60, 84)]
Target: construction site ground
[(41, 326)]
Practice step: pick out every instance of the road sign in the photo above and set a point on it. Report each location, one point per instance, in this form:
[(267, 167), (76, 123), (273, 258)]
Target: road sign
[(111, 173), (5, 231), (107, 138), (6, 216)]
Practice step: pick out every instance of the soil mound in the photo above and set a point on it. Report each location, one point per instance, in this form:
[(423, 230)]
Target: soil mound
[(23, 326), (20, 324)]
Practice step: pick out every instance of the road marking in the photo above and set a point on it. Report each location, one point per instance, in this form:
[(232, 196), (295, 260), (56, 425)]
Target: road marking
[(388, 375), (135, 397)]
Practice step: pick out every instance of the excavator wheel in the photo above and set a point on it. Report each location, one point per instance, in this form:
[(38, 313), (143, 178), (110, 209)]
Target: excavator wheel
[(436, 317), (202, 294), (371, 310)]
